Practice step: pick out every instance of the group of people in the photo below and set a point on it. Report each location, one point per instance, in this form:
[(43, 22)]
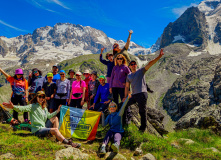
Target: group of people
[(45, 95)]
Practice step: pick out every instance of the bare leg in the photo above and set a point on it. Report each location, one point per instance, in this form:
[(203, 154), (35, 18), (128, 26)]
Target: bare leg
[(55, 122), (57, 133)]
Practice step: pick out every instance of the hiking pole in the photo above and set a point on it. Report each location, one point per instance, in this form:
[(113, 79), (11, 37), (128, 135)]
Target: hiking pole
[(6, 111)]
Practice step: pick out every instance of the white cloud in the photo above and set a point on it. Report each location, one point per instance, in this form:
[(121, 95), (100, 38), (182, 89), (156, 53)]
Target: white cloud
[(38, 5), (179, 11), (10, 26), (60, 4)]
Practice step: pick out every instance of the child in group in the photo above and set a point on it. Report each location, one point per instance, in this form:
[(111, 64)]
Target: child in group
[(50, 89), (116, 130)]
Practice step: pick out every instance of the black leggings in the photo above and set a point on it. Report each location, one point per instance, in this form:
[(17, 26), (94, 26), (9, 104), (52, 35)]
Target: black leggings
[(141, 100), (17, 99), (76, 103), (116, 92), (57, 103)]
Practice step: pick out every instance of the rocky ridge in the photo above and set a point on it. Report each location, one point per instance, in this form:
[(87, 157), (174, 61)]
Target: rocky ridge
[(60, 42)]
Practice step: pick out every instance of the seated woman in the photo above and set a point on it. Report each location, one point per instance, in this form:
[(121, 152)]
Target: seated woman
[(114, 119), (38, 115)]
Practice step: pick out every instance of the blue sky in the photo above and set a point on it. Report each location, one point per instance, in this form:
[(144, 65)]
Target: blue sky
[(146, 18)]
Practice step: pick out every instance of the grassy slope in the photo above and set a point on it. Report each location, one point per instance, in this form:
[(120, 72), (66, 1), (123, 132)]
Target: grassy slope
[(24, 146)]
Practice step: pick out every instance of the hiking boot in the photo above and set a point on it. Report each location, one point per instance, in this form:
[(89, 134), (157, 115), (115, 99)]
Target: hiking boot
[(115, 147), (103, 150), (75, 145)]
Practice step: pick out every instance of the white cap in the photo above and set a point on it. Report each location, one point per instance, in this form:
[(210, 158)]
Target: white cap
[(78, 73), (86, 71)]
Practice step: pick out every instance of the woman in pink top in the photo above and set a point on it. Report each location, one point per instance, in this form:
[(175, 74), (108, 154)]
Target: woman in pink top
[(77, 92)]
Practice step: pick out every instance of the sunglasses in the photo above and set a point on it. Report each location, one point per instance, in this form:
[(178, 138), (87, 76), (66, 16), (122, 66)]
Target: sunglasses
[(119, 58), (61, 74), (86, 73), (115, 46), (19, 74), (78, 75), (35, 72), (133, 64), (110, 55), (112, 106), (41, 96)]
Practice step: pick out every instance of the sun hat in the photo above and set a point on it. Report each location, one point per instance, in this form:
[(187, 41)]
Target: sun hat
[(102, 77), (86, 71), (94, 72), (78, 73), (71, 70), (40, 93), (19, 71), (50, 75)]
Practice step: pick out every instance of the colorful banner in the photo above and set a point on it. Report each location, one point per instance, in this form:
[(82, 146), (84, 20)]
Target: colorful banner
[(78, 123)]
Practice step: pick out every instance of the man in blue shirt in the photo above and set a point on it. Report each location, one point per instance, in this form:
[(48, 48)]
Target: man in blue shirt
[(103, 92)]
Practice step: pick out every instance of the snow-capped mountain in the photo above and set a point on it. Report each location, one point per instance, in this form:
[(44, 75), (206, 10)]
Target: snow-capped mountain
[(60, 42), (198, 27)]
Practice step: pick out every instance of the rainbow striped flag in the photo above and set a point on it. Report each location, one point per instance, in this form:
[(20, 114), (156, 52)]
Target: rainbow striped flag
[(78, 123)]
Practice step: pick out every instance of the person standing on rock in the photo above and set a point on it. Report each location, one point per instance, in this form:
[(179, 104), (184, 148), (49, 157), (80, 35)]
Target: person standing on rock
[(139, 90), (118, 78), (109, 63), (117, 50), (19, 87), (39, 114)]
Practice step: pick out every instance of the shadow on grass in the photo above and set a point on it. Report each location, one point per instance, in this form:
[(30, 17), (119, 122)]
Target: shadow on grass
[(23, 134)]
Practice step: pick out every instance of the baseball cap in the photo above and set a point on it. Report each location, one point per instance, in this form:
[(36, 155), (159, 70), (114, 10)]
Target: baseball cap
[(102, 77), (50, 75)]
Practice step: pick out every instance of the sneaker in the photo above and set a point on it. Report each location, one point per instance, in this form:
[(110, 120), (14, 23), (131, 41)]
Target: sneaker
[(103, 150), (115, 147), (75, 145)]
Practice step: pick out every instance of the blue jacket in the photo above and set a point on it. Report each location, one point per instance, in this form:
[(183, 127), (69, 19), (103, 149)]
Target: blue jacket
[(103, 92), (115, 119), (109, 65)]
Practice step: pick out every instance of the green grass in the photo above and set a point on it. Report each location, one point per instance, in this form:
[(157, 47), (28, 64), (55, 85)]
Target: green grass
[(5, 93), (25, 146), (161, 148)]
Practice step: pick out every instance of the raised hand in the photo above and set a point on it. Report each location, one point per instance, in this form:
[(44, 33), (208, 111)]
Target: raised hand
[(30, 74), (161, 52), (130, 32), (8, 105), (102, 49)]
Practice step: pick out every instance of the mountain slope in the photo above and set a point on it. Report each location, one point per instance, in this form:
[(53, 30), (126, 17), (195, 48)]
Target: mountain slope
[(60, 42)]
